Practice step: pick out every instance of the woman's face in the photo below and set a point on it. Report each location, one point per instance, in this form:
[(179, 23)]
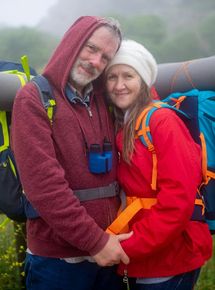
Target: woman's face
[(123, 85)]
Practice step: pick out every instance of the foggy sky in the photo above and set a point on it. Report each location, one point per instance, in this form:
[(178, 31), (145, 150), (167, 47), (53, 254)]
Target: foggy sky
[(24, 12)]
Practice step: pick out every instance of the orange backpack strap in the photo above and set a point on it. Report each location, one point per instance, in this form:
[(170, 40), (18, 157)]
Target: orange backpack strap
[(210, 174), (142, 129), (204, 158), (207, 174), (178, 101), (134, 205), (143, 132), (200, 202)]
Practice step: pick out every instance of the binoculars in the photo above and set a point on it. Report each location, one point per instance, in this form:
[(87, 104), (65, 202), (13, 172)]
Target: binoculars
[(100, 159)]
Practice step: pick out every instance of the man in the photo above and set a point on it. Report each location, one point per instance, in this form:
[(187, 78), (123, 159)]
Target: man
[(64, 180)]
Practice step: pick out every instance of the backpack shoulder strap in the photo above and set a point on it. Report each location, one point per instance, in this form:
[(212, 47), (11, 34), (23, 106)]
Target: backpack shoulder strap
[(46, 95), (142, 124), (143, 132), (4, 131), (5, 151)]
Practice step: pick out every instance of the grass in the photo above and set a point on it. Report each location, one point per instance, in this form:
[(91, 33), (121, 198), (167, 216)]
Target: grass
[(12, 250), (207, 276), (11, 270)]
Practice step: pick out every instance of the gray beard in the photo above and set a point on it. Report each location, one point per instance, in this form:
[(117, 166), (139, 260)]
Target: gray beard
[(80, 79)]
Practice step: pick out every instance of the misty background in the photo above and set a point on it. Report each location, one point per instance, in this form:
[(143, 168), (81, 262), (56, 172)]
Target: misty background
[(173, 30)]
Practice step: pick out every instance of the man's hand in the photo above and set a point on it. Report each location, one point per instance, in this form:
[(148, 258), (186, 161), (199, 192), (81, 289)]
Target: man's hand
[(112, 253)]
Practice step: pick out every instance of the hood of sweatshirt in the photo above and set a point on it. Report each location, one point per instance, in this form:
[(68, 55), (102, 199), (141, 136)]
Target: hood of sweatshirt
[(58, 68)]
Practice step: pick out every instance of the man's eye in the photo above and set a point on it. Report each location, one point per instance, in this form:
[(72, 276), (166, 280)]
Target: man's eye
[(91, 47), (106, 59)]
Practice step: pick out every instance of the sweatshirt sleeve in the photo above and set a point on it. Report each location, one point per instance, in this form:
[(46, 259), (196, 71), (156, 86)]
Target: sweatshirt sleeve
[(43, 177), (179, 174)]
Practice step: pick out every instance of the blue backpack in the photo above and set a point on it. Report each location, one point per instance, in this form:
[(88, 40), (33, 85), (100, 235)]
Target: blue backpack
[(13, 202), (197, 109)]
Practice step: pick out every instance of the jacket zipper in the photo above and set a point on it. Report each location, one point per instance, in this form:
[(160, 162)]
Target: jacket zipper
[(125, 278)]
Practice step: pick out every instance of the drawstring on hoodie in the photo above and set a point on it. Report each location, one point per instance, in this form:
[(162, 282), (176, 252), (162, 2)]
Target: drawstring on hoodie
[(89, 110)]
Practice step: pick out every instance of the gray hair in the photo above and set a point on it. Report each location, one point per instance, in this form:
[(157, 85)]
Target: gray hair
[(113, 26)]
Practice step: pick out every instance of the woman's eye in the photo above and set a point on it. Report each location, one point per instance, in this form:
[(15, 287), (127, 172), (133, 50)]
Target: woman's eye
[(111, 77), (129, 76)]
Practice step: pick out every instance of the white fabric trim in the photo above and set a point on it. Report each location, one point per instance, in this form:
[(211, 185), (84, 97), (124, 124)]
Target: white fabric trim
[(153, 280), (72, 260)]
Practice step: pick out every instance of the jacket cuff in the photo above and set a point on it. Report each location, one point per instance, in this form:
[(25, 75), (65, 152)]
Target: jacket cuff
[(99, 244)]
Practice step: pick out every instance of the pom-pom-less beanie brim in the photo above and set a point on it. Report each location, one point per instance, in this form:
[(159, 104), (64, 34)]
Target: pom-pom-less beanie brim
[(138, 57)]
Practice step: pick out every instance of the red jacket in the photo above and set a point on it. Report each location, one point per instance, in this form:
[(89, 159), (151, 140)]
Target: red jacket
[(165, 241), (52, 160)]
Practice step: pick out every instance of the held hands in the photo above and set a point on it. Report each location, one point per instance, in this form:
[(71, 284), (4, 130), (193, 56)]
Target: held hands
[(112, 253)]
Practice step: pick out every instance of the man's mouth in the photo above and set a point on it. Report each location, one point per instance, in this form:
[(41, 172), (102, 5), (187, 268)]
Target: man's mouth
[(88, 69)]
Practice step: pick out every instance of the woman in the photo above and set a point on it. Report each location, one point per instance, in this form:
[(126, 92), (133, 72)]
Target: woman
[(167, 248)]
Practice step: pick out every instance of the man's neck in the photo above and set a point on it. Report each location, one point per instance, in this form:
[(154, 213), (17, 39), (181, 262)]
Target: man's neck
[(77, 88), (81, 92)]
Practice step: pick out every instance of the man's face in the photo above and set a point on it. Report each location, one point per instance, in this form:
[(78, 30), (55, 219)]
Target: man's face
[(97, 52)]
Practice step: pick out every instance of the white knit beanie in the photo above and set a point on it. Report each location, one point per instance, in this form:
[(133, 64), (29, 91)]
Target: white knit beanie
[(138, 57)]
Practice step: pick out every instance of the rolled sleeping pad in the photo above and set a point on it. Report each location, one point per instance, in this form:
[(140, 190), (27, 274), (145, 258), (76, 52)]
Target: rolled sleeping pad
[(9, 85), (172, 77), (184, 76)]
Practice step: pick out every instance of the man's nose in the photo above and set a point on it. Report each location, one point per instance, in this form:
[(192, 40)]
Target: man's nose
[(96, 61)]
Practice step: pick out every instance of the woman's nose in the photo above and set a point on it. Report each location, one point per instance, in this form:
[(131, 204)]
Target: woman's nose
[(120, 84)]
